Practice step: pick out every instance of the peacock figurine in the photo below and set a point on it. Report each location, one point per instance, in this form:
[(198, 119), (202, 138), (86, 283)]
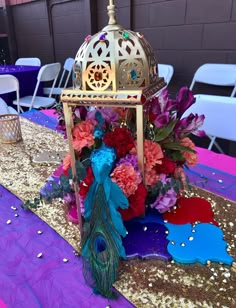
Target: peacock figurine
[(101, 240)]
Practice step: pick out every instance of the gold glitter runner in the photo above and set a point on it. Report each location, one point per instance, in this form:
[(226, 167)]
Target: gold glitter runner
[(149, 283)]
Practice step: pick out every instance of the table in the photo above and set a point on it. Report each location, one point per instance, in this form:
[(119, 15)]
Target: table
[(60, 284), (27, 76)]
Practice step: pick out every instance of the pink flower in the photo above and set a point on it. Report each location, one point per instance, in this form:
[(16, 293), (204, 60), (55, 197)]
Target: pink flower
[(151, 177), (83, 135), (191, 158), (153, 154), (127, 178)]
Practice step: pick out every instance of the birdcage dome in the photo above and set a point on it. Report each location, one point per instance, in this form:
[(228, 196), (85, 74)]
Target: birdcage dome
[(115, 59)]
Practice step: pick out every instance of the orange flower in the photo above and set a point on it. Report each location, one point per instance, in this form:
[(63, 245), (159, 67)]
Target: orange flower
[(83, 135), (191, 158), (153, 154), (127, 178)]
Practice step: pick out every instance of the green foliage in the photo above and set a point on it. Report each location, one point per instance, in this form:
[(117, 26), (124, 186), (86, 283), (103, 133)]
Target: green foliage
[(177, 146), (31, 204), (59, 190), (177, 156), (164, 132), (163, 188), (80, 171)]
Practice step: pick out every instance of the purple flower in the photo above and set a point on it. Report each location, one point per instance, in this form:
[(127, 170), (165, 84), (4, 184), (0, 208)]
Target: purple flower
[(69, 198), (190, 125), (80, 112), (162, 103), (164, 202), (108, 114), (129, 159), (162, 119), (185, 99)]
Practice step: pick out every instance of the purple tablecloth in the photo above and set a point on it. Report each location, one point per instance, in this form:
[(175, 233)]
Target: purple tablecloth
[(29, 281), (27, 76)]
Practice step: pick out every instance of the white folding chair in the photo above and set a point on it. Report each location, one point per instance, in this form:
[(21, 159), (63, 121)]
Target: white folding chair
[(218, 75), (67, 70), (28, 61), (8, 83), (48, 72), (166, 71), (220, 112)]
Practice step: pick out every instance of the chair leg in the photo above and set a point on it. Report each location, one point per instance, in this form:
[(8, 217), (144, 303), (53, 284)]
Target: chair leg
[(213, 142)]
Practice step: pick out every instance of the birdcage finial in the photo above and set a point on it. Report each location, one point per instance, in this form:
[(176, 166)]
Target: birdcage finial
[(111, 13)]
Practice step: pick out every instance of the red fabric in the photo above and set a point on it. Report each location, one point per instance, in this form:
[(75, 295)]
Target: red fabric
[(190, 210)]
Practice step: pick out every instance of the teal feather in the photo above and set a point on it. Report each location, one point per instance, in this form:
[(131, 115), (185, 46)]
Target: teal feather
[(99, 249), (101, 239)]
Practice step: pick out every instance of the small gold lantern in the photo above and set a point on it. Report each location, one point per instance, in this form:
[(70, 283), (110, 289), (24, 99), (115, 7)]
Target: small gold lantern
[(113, 68)]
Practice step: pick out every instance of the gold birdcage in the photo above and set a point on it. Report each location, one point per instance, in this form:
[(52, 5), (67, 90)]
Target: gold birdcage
[(113, 68)]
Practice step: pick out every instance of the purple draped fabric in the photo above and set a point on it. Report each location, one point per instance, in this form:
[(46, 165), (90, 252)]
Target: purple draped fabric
[(40, 118), (216, 181), (27, 76), (29, 281)]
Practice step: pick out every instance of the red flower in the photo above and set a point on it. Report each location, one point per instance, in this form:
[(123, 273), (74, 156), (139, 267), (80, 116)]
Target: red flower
[(121, 140), (84, 186), (152, 116), (167, 166), (136, 204)]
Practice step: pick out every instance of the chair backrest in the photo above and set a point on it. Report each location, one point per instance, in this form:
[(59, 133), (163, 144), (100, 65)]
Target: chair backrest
[(219, 114), (216, 74), (9, 83), (28, 61), (48, 72), (67, 68), (166, 71)]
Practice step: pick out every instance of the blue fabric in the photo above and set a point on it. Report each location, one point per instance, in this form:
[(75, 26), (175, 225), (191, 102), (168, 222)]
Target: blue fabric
[(40, 118)]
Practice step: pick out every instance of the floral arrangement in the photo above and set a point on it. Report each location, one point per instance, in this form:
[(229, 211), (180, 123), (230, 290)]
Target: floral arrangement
[(167, 151)]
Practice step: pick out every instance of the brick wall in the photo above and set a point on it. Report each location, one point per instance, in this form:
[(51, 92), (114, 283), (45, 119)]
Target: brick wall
[(52, 32), (32, 31), (188, 33), (184, 33)]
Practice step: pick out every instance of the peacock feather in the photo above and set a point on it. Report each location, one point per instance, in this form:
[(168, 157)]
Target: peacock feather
[(100, 246)]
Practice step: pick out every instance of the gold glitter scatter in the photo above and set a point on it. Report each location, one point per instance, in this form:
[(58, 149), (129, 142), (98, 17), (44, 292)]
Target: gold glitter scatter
[(21, 176), (146, 283)]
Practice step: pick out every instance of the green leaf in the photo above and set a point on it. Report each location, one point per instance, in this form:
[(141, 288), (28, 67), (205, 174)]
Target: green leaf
[(177, 156), (80, 170), (164, 132), (177, 146)]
